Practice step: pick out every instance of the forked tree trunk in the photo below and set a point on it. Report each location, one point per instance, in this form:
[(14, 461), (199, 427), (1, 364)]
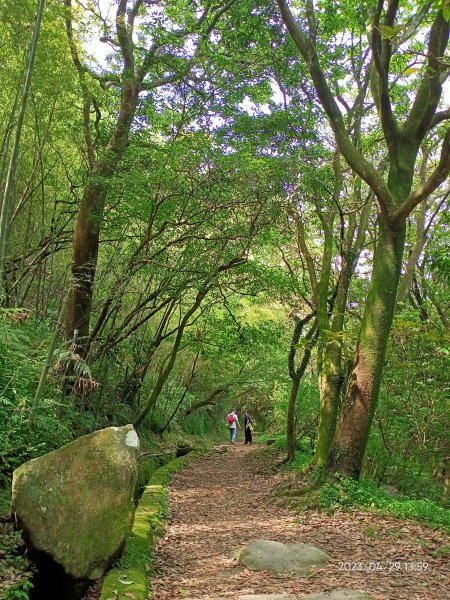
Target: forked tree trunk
[(330, 350), (331, 372)]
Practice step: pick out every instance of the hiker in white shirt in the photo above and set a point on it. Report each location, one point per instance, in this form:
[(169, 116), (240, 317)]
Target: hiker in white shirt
[(233, 424)]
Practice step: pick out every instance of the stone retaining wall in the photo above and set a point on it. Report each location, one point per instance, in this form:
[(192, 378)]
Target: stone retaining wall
[(131, 575)]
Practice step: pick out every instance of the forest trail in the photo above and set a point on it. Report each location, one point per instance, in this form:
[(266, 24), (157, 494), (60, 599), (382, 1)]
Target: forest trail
[(223, 500)]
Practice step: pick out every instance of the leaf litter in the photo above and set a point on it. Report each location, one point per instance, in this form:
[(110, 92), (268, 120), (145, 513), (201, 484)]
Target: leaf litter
[(223, 500)]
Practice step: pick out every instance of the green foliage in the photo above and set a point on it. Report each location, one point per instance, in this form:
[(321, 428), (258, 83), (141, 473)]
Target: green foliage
[(344, 494), (214, 163), (408, 442), (23, 343), (50, 430)]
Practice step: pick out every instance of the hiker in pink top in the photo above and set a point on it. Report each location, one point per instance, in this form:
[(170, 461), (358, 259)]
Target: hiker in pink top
[(233, 424)]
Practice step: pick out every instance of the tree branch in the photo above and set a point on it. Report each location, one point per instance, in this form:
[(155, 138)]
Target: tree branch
[(381, 52), (124, 34), (439, 117), (430, 90), (438, 176), (354, 158), (81, 69), (304, 251)]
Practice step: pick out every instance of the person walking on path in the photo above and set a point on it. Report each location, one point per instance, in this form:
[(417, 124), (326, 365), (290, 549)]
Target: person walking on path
[(248, 428), (233, 424)]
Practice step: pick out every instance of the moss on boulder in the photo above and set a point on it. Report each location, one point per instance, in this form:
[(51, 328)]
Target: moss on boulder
[(75, 505)]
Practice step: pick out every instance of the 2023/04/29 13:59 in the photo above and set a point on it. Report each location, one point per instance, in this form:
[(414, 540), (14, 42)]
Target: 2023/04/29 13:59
[(390, 566)]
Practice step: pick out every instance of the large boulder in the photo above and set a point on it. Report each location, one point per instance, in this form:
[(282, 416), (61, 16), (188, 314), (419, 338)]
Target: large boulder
[(75, 505), (277, 558)]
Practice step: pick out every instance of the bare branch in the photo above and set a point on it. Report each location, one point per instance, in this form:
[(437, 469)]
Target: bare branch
[(439, 117)]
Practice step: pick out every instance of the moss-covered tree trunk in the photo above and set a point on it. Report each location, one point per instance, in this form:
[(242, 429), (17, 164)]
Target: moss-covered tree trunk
[(330, 369), (329, 389), (361, 397), (320, 288), (331, 373)]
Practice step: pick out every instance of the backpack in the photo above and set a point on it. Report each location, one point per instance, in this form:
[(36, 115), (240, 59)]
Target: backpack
[(231, 418)]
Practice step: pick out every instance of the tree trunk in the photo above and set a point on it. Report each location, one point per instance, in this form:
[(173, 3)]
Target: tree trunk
[(103, 162), (290, 428), (347, 453), (85, 245), (296, 374), (331, 375), (330, 381)]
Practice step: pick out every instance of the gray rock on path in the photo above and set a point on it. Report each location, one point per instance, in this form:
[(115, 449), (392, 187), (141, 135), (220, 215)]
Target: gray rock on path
[(338, 595), (335, 595), (76, 504), (275, 557), (255, 597), (268, 597)]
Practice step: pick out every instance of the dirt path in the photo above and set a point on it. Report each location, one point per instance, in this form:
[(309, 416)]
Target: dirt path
[(223, 500)]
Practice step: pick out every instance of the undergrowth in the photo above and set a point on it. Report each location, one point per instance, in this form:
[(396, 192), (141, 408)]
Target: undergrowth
[(344, 493), (316, 490), (15, 569)]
